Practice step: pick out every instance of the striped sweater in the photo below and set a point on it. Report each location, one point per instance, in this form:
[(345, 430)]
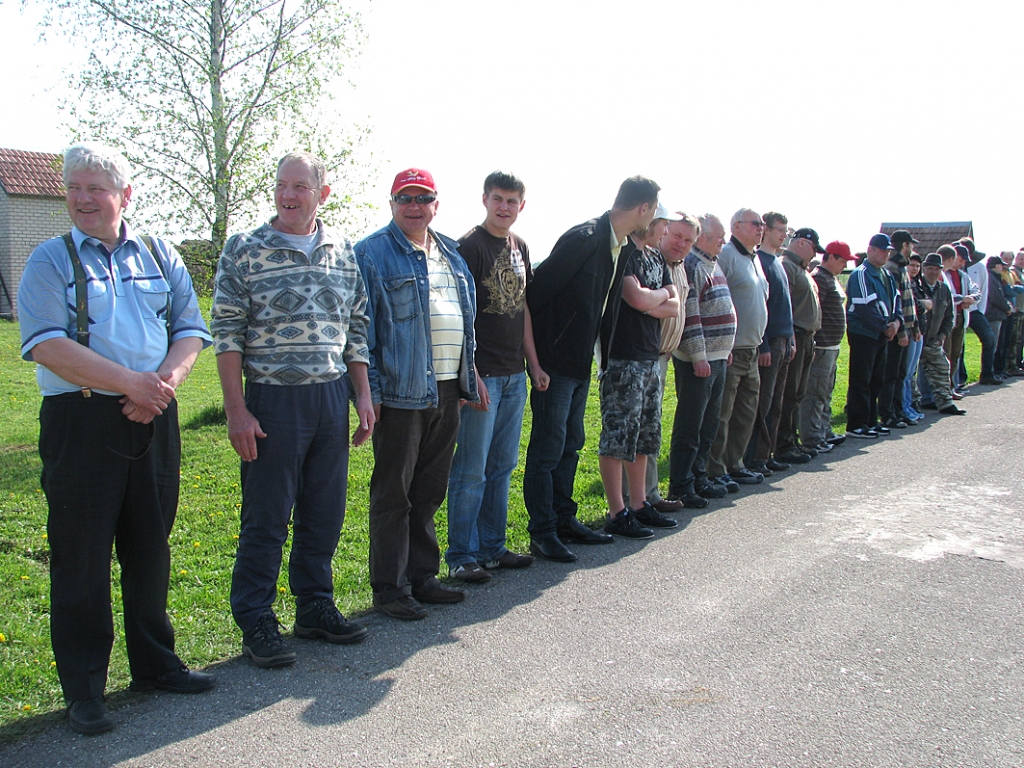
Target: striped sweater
[(710, 328)]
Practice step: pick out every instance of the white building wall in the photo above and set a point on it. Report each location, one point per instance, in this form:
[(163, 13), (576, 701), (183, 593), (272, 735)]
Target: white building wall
[(25, 221)]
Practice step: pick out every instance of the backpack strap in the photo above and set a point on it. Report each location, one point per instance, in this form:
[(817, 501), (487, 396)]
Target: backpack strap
[(81, 291)]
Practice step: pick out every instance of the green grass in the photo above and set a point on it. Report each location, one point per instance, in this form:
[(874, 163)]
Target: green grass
[(204, 538)]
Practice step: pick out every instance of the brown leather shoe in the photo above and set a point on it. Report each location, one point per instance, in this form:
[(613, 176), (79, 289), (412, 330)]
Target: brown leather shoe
[(667, 505)]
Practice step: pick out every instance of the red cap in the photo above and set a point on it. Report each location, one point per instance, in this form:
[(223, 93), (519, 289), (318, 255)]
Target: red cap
[(413, 177), (840, 249)]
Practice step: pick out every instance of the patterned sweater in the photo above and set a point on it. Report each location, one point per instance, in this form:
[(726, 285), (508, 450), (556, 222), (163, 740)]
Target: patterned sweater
[(295, 319), (710, 316)]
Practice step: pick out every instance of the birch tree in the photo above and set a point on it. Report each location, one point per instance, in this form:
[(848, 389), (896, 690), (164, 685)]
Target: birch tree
[(204, 95)]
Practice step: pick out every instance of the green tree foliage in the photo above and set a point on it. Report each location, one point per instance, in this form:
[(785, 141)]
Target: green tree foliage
[(204, 95)]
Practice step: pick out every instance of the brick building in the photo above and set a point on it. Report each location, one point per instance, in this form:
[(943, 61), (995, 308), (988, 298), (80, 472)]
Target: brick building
[(31, 210)]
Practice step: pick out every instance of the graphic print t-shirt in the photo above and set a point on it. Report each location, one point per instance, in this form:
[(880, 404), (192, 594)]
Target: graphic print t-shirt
[(501, 270), (638, 336)]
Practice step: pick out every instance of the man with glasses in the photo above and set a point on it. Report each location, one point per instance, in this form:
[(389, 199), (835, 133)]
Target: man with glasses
[(422, 302), (749, 290), (289, 312)]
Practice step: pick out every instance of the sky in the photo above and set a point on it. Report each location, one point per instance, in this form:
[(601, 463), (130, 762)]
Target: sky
[(840, 115)]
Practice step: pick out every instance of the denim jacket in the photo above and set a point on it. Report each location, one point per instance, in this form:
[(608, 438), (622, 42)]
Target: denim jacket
[(398, 303)]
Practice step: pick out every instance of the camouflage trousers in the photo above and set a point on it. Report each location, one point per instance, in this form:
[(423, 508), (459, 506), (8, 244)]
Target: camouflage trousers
[(935, 366)]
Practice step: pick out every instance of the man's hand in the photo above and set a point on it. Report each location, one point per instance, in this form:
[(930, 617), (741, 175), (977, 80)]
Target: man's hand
[(243, 429), (134, 413), (904, 341), (764, 360), (792, 348), (367, 414), (890, 330), (485, 397), (702, 368), (149, 392), (540, 378)]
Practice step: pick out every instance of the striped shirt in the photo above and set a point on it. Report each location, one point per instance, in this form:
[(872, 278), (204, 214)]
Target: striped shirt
[(446, 329)]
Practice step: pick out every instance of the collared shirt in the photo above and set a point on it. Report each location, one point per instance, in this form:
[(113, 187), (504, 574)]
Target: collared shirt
[(446, 328), (127, 294), (803, 293), (749, 290)]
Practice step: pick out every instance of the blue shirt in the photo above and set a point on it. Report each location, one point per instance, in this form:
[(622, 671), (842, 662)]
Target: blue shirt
[(127, 303), (780, 308)]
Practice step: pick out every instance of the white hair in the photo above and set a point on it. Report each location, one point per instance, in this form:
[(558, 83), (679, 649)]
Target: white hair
[(97, 157), (738, 216)]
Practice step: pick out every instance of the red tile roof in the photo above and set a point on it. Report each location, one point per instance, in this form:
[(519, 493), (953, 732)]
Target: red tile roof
[(31, 173)]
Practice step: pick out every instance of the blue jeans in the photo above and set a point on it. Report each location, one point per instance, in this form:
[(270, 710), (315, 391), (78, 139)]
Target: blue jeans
[(913, 358), (486, 454), (555, 438)]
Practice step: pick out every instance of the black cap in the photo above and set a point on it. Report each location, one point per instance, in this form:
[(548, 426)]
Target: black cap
[(932, 260), (901, 236), (806, 233)]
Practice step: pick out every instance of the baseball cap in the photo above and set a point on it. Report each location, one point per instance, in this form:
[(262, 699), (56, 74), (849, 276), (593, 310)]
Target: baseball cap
[(664, 213), (901, 236), (806, 233), (413, 177), (881, 240), (962, 251), (840, 249)]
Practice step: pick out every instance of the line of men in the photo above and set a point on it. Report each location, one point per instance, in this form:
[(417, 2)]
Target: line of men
[(433, 339)]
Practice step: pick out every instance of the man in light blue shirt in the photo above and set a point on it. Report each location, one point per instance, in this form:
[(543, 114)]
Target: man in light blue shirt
[(112, 321)]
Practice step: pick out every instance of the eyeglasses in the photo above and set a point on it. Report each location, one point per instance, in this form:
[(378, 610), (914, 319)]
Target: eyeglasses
[(758, 224), (420, 199)]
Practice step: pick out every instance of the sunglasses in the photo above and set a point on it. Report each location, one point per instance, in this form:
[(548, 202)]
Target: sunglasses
[(421, 199)]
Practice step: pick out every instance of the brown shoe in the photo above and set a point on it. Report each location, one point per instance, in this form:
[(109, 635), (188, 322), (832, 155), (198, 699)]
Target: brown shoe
[(404, 608), (667, 505), (435, 592)]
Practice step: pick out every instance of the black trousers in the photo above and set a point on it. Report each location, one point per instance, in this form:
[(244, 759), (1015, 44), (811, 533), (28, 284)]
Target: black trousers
[(867, 368), (890, 399), (412, 458), (109, 482)]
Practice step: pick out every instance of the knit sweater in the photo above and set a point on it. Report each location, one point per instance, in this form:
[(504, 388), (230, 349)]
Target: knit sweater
[(832, 298), (710, 316)]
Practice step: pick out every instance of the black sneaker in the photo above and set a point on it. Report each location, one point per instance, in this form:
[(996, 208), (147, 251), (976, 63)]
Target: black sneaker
[(761, 467), (881, 430), (725, 482), (776, 466), (711, 491), (264, 644), (648, 515), (862, 432), (793, 457), (627, 526), (322, 619), (746, 477)]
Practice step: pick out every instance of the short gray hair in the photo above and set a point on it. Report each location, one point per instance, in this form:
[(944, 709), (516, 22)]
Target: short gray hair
[(318, 166), (97, 157), (738, 216), (693, 221), (707, 219)]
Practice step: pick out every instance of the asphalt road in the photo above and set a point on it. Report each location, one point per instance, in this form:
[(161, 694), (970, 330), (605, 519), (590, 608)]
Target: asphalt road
[(865, 611)]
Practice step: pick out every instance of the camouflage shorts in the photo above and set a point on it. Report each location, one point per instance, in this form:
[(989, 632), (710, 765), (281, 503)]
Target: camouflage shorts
[(630, 409)]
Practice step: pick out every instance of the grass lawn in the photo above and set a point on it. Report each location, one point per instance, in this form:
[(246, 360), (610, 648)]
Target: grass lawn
[(204, 536)]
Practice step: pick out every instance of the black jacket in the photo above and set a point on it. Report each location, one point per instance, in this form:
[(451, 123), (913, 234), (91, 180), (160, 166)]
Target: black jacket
[(567, 295)]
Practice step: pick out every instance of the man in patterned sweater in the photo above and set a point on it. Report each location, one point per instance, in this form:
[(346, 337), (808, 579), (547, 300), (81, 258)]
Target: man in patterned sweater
[(700, 362), (289, 310)]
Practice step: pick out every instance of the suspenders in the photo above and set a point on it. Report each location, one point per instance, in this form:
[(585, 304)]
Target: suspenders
[(82, 293)]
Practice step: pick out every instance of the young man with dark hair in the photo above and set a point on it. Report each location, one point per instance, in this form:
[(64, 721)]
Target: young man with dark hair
[(890, 399), (488, 444), (567, 299)]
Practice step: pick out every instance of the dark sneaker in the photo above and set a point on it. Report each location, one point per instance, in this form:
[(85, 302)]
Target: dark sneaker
[(881, 430), (895, 424), (180, 680), (952, 410), (794, 457), (693, 501), (806, 449), (648, 515), (711, 491), (746, 477), (322, 619), (861, 432), (823, 447), (835, 439), (775, 466), (627, 526), (471, 573), (435, 592), (762, 468), (726, 482), (89, 717), (404, 608), (509, 560), (264, 644)]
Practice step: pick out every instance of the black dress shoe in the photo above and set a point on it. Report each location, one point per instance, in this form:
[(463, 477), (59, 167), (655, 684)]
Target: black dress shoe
[(693, 501), (571, 529), (776, 466), (89, 717), (435, 592), (794, 457), (180, 680), (952, 410), (552, 548), (761, 467), (930, 406)]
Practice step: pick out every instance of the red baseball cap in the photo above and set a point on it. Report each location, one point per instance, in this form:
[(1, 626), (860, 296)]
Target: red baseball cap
[(840, 249), (413, 177)]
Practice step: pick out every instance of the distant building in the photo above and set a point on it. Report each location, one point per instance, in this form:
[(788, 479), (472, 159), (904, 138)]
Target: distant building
[(932, 234), (31, 210)]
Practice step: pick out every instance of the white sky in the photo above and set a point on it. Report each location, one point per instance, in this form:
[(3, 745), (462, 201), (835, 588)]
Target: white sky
[(839, 114)]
